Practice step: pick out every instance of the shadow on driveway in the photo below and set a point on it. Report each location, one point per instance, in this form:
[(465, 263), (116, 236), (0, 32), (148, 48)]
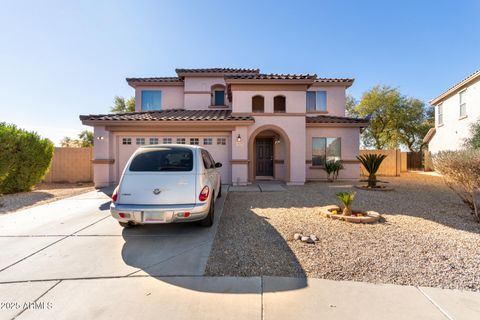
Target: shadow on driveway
[(173, 252)]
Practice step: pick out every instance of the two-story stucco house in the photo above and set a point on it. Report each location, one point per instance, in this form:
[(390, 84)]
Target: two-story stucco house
[(259, 126), (455, 110)]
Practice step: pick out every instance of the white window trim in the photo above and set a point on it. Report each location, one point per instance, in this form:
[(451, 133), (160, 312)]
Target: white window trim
[(462, 103), (440, 106)]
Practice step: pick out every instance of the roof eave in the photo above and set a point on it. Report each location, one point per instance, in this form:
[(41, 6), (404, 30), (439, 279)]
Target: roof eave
[(456, 88), (136, 83), (346, 84), (336, 124), (132, 123), (269, 81)]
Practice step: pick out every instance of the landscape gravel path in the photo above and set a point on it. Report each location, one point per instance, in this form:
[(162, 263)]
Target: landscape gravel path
[(428, 236)]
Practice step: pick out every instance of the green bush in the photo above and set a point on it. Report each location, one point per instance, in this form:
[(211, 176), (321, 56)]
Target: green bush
[(24, 158), (332, 167)]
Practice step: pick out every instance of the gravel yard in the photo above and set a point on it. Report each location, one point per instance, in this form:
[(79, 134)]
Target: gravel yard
[(428, 238), (42, 193)]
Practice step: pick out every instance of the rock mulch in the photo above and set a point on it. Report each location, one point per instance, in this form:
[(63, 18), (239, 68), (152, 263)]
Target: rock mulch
[(429, 237), (42, 193)]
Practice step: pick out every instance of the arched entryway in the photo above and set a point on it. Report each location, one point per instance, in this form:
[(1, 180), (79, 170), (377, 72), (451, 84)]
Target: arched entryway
[(269, 154)]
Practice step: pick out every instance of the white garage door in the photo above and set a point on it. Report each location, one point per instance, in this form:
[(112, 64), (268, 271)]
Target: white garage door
[(218, 145)]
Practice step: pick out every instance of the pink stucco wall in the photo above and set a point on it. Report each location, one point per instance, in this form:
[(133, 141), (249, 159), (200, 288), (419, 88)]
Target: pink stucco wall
[(335, 99), (350, 144), (196, 95), (198, 92), (172, 96), (295, 100)]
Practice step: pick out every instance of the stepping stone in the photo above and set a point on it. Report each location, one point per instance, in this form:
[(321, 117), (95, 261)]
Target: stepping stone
[(271, 187)]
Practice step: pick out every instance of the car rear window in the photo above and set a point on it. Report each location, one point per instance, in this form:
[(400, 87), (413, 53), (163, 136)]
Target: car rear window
[(165, 159)]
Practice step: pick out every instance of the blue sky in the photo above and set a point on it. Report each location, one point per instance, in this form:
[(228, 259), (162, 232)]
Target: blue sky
[(60, 59)]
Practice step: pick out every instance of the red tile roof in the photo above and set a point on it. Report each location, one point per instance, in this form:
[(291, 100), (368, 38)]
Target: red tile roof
[(155, 79), (217, 70), (272, 76), (169, 115), (330, 80), (335, 119)]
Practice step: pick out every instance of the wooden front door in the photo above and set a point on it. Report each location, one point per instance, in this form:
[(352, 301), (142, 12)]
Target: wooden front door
[(264, 157)]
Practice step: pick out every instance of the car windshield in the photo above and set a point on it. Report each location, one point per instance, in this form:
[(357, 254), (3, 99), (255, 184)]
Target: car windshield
[(165, 159)]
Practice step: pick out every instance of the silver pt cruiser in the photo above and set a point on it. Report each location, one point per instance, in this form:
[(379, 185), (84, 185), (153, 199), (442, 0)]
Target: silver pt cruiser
[(167, 183)]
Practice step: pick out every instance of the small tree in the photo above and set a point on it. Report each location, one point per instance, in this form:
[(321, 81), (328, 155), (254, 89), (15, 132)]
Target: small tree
[(85, 139), (474, 141), (332, 168), (122, 105), (461, 171), (372, 163), (346, 198)]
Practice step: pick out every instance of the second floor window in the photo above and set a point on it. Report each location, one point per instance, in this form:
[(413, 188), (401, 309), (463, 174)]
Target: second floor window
[(279, 104), (258, 104), (440, 114), (219, 97), (463, 104), (316, 101), (151, 100)]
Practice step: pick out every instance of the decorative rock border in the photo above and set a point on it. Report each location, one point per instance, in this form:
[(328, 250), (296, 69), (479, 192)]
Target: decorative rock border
[(368, 217), (304, 238)]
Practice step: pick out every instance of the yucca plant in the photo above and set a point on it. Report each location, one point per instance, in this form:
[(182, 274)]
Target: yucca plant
[(372, 163), (346, 198), (332, 167)]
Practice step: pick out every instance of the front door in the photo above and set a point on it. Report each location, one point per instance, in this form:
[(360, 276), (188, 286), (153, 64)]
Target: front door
[(264, 157)]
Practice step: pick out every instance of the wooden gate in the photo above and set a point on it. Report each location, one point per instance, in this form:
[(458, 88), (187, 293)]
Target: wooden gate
[(415, 160)]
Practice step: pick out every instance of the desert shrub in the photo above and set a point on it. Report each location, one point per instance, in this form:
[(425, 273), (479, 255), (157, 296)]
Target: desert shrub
[(372, 163), (461, 171), (473, 142), (24, 158), (332, 168), (346, 198)]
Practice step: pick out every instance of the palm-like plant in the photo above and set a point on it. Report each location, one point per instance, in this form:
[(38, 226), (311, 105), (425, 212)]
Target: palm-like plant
[(332, 167), (346, 198), (372, 163)]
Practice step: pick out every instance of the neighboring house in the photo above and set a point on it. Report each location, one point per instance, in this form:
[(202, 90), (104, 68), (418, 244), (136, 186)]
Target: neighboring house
[(455, 110), (259, 126)]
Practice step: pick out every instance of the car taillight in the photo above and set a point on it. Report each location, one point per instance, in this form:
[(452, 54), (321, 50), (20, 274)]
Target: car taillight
[(204, 194), (115, 194)]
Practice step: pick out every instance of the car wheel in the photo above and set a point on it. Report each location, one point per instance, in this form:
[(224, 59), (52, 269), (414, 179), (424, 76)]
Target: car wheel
[(220, 190), (208, 221), (125, 224)]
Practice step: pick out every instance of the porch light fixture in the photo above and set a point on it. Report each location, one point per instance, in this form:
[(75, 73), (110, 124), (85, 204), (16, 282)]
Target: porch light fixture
[(100, 138), (239, 138), (276, 140)]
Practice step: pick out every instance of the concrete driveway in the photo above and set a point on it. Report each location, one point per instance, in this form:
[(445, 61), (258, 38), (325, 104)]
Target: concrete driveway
[(70, 260), (76, 238)]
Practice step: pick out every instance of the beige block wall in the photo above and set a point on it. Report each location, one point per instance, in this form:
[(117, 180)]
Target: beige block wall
[(391, 166), (71, 165), (403, 162)]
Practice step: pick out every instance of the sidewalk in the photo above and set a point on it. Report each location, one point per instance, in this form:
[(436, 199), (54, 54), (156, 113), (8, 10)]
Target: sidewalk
[(145, 297)]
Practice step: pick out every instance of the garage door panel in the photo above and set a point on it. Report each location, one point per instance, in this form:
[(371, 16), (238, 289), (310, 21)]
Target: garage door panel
[(218, 145)]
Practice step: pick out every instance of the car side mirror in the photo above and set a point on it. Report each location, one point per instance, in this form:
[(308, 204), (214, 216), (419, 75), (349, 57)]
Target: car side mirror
[(218, 165)]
